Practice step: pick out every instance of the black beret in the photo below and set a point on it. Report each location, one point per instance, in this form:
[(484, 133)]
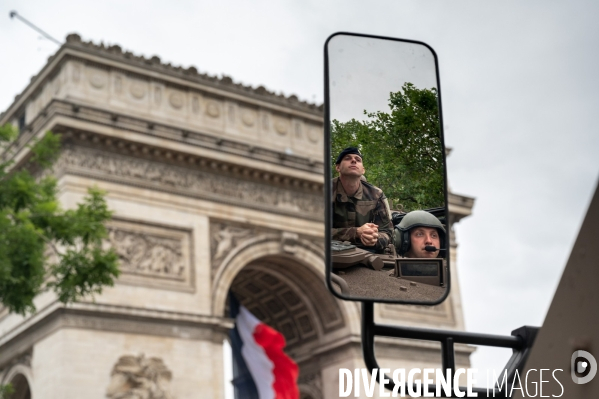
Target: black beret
[(348, 150)]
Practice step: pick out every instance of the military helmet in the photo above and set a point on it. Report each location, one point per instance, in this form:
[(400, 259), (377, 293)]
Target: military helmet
[(416, 219)]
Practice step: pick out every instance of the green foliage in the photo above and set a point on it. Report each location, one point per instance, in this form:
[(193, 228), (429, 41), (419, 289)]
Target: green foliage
[(401, 148), (6, 391), (43, 246)]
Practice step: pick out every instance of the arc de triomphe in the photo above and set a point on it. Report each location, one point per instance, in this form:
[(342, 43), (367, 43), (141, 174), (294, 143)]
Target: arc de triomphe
[(215, 186)]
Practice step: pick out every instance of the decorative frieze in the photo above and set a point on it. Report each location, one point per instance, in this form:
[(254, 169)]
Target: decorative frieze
[(138, 93), (196, 182), (128, 123), (74, 41), (310, 385), (152, 255)]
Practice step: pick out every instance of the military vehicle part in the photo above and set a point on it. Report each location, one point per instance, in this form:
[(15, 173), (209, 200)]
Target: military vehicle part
[(521, 342), (425, 271)]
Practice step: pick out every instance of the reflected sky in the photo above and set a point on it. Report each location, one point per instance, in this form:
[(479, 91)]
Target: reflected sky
[(363, 71)]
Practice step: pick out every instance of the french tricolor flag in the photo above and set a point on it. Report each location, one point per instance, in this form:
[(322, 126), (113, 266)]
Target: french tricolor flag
[(273, 373)]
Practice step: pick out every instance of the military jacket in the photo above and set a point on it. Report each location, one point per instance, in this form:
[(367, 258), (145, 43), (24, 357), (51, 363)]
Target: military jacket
[(367, 205)]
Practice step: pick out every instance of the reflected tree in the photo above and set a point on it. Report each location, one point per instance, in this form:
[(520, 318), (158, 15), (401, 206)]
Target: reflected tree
[(401, 148)]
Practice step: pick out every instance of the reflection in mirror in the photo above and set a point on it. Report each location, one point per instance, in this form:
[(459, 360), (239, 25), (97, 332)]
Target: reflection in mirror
[(388, 230)]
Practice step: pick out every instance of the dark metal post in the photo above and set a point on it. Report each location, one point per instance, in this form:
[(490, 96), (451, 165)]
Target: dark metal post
[(448, 356), (520, 341)]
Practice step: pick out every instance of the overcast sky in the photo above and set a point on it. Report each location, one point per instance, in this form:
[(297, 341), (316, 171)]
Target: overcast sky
[(363, 71), (520, 93)]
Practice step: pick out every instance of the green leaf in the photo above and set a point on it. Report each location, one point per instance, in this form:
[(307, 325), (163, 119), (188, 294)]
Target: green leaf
[(46, 150), (8, 133), (6, 391), (32, 223)]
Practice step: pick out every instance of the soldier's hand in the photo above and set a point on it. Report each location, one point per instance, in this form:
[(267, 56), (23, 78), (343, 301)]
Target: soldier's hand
[(369, 234)]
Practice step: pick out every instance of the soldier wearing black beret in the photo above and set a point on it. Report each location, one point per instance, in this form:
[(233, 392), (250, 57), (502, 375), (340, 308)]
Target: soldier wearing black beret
[(360, 210)]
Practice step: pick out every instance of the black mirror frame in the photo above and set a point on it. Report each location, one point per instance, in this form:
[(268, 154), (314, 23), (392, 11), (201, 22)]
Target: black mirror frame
[(328, 175)]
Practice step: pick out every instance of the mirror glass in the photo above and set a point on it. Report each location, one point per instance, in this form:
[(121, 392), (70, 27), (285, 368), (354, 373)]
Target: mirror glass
[(386, 224)]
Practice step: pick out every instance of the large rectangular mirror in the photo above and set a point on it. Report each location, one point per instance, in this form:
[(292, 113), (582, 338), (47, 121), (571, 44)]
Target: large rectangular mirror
[(385, 167)]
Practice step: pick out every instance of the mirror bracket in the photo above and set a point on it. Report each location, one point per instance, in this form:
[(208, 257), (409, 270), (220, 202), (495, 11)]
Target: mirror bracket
[(520, 342)]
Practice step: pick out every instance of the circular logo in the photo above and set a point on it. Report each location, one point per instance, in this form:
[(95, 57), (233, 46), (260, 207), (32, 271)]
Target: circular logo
[(583, 367)]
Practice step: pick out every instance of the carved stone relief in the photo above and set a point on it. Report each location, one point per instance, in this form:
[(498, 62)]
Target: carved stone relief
[(152, 255), (225, 82), (213, 109), (281, 126), (226, 239), (314, 133), (176, 100), (137, 88), (138, 377), (223, 239), (131, 91), (310, 386), (97, 77), (196, 182), (248, 118)]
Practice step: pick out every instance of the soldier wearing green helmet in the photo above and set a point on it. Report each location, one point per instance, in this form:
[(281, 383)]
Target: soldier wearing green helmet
[(419, 235)]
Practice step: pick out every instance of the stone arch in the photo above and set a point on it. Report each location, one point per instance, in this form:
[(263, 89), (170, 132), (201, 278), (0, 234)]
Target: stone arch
[(20, 378), (294, 268), (280, 279)]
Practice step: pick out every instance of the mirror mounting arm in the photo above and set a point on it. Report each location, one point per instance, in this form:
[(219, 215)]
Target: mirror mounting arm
[(520, 342)]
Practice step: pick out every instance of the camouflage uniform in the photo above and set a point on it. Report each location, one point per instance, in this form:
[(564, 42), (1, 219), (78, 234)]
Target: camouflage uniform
[(368, 205)]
